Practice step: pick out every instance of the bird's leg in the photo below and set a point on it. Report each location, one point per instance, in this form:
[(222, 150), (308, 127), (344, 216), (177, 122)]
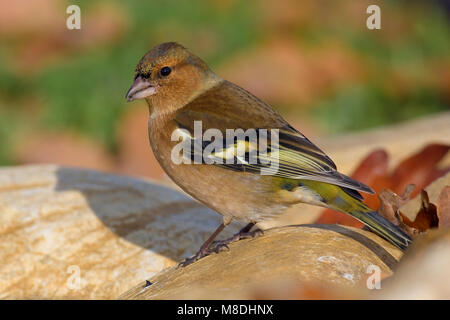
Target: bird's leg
[(247, 228), (244, 233), (204, 249)]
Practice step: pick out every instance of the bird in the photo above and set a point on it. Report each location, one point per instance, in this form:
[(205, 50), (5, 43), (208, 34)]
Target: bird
[(182, 92)]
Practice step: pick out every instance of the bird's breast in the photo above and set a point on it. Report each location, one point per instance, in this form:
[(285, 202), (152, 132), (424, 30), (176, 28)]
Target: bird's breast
[(236, 195)]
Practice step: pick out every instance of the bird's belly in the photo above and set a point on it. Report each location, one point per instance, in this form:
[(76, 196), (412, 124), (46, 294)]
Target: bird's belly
[(235, 195)]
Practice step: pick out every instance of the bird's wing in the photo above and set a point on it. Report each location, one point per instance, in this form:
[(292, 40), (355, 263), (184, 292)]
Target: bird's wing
[(287, 153)]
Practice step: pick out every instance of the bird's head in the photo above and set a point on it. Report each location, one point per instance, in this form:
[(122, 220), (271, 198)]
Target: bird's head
[(169, 76)]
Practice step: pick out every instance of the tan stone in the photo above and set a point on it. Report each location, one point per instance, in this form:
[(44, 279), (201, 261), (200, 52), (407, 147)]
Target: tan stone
[(424, 272), (114, 230), (119, 231), (312, 253)]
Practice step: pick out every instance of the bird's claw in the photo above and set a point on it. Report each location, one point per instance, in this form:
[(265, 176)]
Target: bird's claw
[(248, 235), (202, 253), (187, 261), (219, 245), (191, 259)]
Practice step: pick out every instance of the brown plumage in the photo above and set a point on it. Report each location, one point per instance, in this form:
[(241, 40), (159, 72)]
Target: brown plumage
[(180, 89)]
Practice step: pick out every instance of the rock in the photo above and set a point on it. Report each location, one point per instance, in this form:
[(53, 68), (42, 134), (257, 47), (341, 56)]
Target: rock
[(332, 254), (60, 225), (424, 272), (80, 234)]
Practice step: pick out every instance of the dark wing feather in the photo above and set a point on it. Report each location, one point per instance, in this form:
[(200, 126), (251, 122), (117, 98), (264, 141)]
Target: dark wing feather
[(228, 106)]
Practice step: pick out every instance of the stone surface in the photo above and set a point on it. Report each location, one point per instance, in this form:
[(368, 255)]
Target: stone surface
[(424, 272), (329, 254), (57, 223), (117, 231)]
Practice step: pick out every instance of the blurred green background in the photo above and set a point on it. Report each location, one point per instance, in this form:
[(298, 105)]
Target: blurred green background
[(62, 91)]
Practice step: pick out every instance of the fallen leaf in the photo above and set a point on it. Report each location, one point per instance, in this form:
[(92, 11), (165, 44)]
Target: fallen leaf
[(373, 171), (419, 169), (411, 208), (334, 217), (390, 203), (426, 218), (443, 208)]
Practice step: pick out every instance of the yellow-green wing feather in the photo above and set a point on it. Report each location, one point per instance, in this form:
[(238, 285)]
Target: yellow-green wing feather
[(228, 106)]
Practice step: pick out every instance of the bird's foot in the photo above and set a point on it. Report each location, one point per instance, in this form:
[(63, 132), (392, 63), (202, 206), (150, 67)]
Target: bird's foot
[(200, 254), (189, 260), (220, 245)]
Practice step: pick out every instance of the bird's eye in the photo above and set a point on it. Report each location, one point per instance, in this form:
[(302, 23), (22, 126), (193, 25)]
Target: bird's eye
[(165, 71)]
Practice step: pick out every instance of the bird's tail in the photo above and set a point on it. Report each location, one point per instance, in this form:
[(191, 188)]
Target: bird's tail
[(380, 226), (342, 200)]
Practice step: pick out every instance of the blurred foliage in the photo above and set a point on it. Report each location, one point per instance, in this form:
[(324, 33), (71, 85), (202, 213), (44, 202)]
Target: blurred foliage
[(83, 90), (372, 103), (358, 107)]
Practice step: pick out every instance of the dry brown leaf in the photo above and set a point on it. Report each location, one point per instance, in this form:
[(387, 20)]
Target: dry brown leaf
[(390, 204), (419, 169), (426, 218), (421, 213), (443, 208), (412, 208), (373, 171)]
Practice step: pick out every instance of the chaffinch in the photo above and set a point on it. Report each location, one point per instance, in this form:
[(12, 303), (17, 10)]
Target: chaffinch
[(239, 177)]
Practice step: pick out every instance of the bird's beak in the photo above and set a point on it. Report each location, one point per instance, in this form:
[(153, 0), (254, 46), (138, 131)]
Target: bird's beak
[(140, 89)]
